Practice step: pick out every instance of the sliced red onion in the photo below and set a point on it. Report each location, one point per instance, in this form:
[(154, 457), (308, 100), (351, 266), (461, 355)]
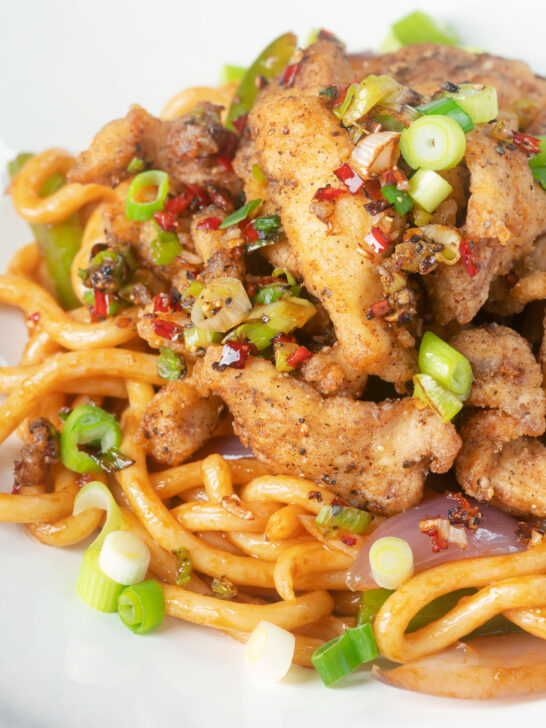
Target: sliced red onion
[(495, 535), (229, 447)]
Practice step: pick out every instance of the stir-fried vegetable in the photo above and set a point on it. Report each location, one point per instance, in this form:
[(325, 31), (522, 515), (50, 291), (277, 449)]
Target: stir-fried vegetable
[(479, 101), (136, 209), (269, 651), (448, 107), (170, 365), (391, 562), (332, 518), (58, 242), (124, 557), (433, 142), (222, 304), (344, 654), (441, 400), (142, 607), (428, 189), (448, 366), (268, 64)]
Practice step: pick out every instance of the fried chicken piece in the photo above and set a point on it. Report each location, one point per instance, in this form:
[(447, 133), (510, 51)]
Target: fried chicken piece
[(425, 66), (186, 148), (374, 455), (330, 374), (507, 376), (506, 213), (299, 143), (507, 297), (177, 422), (35, 457), (497, 463)]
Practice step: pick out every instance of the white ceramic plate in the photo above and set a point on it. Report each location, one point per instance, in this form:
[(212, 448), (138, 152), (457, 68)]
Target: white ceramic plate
[(67, 68)]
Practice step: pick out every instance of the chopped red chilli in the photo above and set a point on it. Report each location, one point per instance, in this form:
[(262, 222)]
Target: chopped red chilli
[(178, 204), (289, 74), (437, 542), (372, 190), (377, 241), (240, 123), (298, 357), (234, 355), (378, 309), (34, 317), (250, 233), (225, 162), (102, 302), (166, 220), (167, 330), (468, 257), (209, 223), (161, 303), (350, 178), (347, 540), (527, 142), (328, 193), (464, 513), (198, 193)]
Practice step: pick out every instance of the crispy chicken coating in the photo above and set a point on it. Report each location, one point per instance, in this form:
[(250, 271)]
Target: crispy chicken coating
[(33, 463), (506, 374), (506, 214), (375, 456), (186, 148), (424, 67), (177, 422), (299, 143), (498, 463)]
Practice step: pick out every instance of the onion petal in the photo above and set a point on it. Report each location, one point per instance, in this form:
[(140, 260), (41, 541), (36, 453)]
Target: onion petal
[(495, 535), (483, 668), (376, 153)]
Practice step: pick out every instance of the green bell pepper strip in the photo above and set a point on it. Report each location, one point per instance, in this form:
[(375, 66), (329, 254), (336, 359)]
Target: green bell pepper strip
[(271, 61), (58, 242)]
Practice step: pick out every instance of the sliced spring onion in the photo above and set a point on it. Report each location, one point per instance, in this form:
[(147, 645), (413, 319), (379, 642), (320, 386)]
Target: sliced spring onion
[(428, 189), (400, 199), (135, 165), (98, 495), (267, 224), (124, 557), (269, 651), (388, 122), (93, 586), (184, 565), (375, 153), (193, 290), (342, 655), (438, 398), (165, 247), (479, 101), (256, 332), (283, 352), (366, 95), (231, 73), (391, 562), (257, 173), (87, 425), (222, 304), (447, 365), (433, 142), (268, 64), (223, 588), (419, 27), (241, 214), (286, 314), (270, 294), (420, 217), (279, 272), (142, 607), (170, 365), (371, 601), (347, 518), (196, 338), (137, 210), (537, 165), (448, 107)]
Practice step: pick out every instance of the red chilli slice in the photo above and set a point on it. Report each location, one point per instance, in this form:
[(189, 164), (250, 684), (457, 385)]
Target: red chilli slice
[(372, 190), (377, 241), (102, 302), (240, 123), (250, 233), (234, 354), (225, 162), (350, 178), (178, 204), (298, 357), (328, 193), (209, 223), (526, 142), (289, 74), (166, 220), (468, 258), (167, 330), (378, 309), (198, 192)]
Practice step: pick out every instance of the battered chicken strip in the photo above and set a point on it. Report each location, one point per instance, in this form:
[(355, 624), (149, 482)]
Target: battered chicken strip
[(375, 456), (299, 143), (177, 422), (506, 214), (507, 298), (498, 464), (330, 374), (507, 376), (186, 148), (424, 67)]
